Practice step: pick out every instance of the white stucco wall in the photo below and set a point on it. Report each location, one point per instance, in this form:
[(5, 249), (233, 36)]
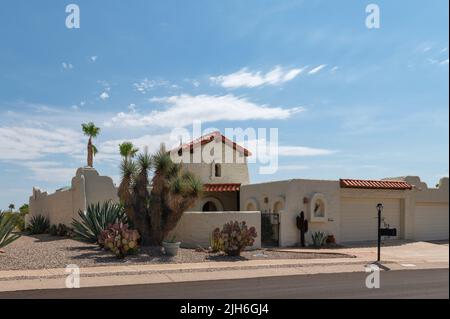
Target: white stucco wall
[(292, 194), (87, 187), (195, 228), (410, 205)]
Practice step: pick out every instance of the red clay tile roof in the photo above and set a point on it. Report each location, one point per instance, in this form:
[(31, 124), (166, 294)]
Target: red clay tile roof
[(221, 187), (205, 139), (374, 184)]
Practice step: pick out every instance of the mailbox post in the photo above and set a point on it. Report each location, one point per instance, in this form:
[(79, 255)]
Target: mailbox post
[(379, 208)]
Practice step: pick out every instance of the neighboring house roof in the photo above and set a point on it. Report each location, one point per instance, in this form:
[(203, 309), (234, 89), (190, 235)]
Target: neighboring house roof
[(374, 184), (230, 187), (205, 139)]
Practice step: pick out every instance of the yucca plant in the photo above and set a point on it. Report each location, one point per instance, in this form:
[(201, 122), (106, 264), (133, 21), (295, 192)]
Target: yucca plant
[(38, 225), (96, 219), (7, 225)]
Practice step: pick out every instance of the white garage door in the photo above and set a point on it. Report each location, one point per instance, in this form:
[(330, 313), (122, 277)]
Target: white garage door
[(431, 222), (359, 218)]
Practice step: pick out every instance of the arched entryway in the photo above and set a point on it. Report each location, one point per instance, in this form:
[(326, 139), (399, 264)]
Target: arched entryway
[(211, 204)]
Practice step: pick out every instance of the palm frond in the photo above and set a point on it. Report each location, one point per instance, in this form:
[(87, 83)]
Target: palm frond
[(89, 129)]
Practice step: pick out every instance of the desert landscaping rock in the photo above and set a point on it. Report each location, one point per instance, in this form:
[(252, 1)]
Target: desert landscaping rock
[(45, 251)]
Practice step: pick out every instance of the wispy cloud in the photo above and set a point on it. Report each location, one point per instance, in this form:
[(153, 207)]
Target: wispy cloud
[(317, 69), (93, 58), (146, 85), (248, 79), (48, 171), (24, 143), (183, 110)]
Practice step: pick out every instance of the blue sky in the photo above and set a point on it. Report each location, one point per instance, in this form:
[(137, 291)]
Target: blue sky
[(374, 102)]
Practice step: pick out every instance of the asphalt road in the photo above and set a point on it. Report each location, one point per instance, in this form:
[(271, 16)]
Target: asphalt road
[(394, 284)]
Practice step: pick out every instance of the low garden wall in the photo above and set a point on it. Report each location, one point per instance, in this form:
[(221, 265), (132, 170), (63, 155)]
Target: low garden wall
[(195, 228)]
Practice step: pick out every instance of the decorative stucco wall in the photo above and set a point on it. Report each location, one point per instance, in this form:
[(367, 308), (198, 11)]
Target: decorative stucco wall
[(413, 207), (195, 228), (87, 187)]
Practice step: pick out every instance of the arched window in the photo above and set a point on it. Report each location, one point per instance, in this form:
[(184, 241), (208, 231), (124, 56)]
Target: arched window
[(218, 170), (209, 207), (250, 207)]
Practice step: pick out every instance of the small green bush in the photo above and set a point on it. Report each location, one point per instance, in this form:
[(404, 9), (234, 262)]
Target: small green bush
[(38, 225)]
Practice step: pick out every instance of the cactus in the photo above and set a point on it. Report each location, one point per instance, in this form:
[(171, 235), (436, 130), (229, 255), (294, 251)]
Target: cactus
[(302, 225), (119, 239)]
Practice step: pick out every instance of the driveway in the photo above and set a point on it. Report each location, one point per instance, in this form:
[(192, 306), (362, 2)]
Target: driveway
[(398, 251)]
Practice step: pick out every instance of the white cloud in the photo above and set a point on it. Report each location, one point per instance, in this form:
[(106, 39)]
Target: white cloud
[(245, 78), (298, 151), (334, 69), (317, 69), (444, 62), (146, 85), (183, 110), (94, 58), (51, 172), (67, 66), (22, 143), (104, 96)]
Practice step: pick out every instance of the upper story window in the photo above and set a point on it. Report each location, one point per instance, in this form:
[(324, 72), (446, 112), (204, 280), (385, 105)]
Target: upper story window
[(217, 170)]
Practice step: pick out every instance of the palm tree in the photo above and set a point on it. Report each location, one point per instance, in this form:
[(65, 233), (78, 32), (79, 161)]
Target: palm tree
[(92, 131), (11, 207), (127, 150)]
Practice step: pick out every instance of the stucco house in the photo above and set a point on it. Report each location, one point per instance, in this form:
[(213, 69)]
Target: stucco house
[(344, 208)]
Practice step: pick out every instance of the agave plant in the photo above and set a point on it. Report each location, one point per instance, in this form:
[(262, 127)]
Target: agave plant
[(96, 219), (319, 238), (38, 225), (7, 225)]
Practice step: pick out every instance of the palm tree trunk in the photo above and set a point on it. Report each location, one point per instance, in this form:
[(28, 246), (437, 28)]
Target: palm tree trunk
[(90, 155)]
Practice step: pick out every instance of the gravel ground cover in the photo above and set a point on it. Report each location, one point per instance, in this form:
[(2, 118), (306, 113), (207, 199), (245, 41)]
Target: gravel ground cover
[(45, 251)]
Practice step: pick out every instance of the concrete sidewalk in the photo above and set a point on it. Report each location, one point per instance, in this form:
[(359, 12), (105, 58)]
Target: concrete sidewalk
[(407, 255)]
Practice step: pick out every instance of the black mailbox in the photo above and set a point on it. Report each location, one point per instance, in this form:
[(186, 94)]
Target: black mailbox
[(390, 232)]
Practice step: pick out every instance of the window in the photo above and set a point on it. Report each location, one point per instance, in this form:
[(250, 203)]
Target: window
[(218, 170), (209, 207)]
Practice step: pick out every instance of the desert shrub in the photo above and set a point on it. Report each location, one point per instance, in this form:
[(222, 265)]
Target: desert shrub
[(38, 225), (96, 219), (59, 230), (319, 238), (119, 239), (7, 226), (234, 237), (53, 230), (215, 242)]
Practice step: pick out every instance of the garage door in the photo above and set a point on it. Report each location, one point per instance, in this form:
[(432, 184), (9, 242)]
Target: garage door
[(359, 218), (431, 222)]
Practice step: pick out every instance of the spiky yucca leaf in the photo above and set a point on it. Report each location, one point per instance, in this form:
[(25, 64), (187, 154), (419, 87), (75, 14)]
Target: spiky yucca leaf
[(7, 225), (38, 225), (96, 219)]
